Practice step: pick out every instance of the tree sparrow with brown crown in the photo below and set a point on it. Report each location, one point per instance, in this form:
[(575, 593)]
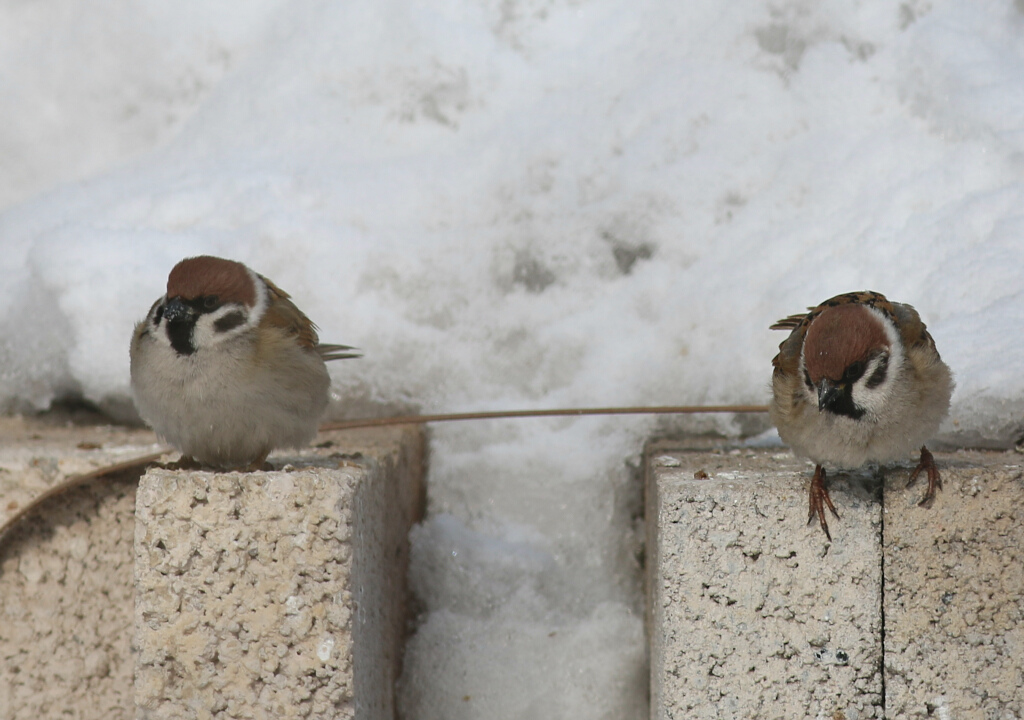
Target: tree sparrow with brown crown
[(858, 381), (226, 368)]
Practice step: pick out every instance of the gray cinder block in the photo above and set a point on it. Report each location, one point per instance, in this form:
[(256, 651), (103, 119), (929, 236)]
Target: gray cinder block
[(277, 594), (751, 612), (954, 592), (66, 570), (66, 607)]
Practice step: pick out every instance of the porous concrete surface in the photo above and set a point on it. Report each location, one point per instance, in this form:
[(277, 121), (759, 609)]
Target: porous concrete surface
[(37, 453), (954, 591), (277, 594), (941, 587), (66, 571), (751, 611), (66, 617)]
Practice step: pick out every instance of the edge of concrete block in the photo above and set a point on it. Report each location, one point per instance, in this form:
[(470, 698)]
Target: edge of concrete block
[(954, 590), (278, 594), (751, 612)]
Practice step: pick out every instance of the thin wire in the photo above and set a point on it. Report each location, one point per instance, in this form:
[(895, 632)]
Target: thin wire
[(561, 412), (76, 480), (141, 462)]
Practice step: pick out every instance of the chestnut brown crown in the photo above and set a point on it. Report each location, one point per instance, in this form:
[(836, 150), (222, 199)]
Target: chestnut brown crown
[(839, 337), (206, 275)]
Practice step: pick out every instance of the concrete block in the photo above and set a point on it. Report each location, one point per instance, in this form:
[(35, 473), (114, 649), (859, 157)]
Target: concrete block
[(66, 608), (954, 591), (751, 612), (66, 572), (277, 594)]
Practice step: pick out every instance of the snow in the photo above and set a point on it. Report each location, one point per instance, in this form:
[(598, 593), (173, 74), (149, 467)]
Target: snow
[(525, 203)]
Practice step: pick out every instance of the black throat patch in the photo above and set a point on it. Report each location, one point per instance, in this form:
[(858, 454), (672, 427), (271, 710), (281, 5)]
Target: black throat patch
[(180, 333), (842, 404)]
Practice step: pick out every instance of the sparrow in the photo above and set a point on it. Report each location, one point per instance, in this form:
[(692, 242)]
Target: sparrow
[(226, 368), (858, 381)]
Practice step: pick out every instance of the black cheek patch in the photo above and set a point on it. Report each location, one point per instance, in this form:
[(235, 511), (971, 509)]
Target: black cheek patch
[(229, 321), (878, 376)]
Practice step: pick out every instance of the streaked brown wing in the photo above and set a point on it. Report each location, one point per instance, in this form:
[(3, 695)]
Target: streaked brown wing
[(912, 329), (283, 314)]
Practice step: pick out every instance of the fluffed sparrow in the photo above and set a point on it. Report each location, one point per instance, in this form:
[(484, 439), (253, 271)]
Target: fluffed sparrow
[(226, 368), (858, 381)]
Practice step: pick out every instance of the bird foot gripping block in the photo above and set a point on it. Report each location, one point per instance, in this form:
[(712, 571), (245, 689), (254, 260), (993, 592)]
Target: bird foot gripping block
[(910, 612), (749, 615), (273, 595)]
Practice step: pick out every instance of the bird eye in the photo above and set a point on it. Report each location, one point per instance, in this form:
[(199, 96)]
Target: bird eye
[(854, 371), (210, 302)]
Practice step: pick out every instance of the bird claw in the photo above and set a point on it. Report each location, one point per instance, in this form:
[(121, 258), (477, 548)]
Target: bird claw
[(927, 463), (818, 498), (183, 463)]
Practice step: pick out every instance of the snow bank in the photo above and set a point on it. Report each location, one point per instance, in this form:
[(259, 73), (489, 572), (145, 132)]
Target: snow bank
[(526, 203)]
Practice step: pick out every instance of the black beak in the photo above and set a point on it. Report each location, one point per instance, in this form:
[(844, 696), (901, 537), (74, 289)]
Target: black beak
[(177, 311), (829, 394)]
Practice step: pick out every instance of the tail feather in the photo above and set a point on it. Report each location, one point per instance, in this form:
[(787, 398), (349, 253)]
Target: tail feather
[(337, 352)]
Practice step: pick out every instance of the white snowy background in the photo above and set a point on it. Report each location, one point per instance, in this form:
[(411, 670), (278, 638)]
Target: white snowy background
[(519, 203)]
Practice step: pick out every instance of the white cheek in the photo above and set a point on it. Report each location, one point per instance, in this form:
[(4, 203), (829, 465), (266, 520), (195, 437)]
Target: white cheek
[(872, 400), (809, 392), (206, 333), (875, 400), (159, 333)]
